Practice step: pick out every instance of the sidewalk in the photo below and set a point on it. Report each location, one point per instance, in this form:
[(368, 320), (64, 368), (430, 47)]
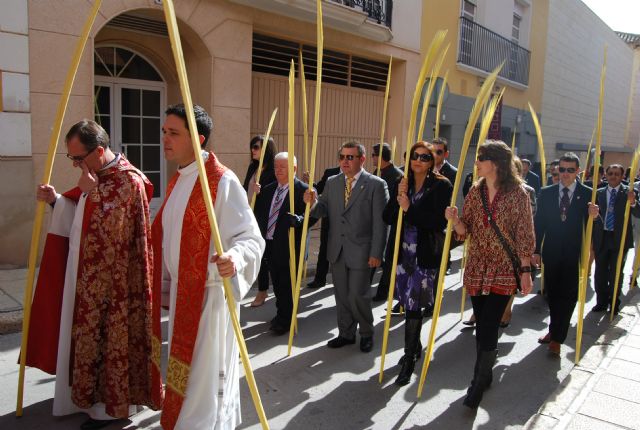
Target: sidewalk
[(12, 282), (603, 391)]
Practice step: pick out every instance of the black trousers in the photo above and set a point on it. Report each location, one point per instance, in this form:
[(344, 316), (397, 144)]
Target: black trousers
[(263, 275), (488, 311), (281, 278), (322, 266), (561, 280), (605, 274)]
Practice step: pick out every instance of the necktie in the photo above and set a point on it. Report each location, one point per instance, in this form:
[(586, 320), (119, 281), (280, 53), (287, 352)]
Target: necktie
[(347, 191), (610, 218), (564, 204), (273, 215)]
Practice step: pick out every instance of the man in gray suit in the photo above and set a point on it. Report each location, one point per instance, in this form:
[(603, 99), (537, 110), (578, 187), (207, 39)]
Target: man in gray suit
[(353, 201)]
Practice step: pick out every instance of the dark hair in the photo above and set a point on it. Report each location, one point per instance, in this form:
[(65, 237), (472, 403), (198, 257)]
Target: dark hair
[(386, 151), (441, 141), (204, 123), (353, 144), (430, 150), (90, 134), (526, 161), (616, 166), (555, 162), (269, 154), (500, 155), (570, 157)]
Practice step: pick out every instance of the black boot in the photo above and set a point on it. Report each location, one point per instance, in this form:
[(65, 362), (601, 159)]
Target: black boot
[(482, 380), (412, 347)]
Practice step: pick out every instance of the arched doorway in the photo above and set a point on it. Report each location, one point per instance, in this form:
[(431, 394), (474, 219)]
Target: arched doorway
[(129, 103)]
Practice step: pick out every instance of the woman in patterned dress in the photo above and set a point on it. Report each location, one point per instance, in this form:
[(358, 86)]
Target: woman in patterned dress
[(423, 197), (489, 275)]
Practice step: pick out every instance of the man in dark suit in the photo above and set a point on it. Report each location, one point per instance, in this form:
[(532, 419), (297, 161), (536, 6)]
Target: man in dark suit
[(531, 178), (274, 219), (353, 201), (391, 175), (560, 220), (322, 266), (441, 153), (607, 235)]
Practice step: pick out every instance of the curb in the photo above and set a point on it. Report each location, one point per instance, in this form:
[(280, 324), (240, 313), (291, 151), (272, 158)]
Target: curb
[(565, 402)]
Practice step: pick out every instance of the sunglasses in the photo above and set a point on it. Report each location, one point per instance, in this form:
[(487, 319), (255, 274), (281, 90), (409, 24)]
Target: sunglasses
[(425, 158), (80, 158), (255, 146), (555, 175), (375, 154), (567, 169), (439, 151), (482, 157), (347, 157)]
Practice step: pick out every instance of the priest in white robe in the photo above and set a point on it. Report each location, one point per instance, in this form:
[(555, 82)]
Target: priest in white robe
[(202, 389)]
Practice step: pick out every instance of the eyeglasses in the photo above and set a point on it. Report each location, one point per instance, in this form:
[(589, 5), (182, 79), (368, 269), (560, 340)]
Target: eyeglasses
[(425, 158), (555, 175), (613, 173), (483, 157), (439, 151), (255, 146), (567, 169), (375, 154), (348, 157), (80, 158)]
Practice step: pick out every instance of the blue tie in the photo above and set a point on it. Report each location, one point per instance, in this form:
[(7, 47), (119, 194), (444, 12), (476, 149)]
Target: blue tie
[(610, 218)]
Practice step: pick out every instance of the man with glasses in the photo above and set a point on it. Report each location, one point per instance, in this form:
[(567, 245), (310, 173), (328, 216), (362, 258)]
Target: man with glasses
[(441, 153), (560, 221), (391, 175), (353, 201), (607, 236), (91, 315)]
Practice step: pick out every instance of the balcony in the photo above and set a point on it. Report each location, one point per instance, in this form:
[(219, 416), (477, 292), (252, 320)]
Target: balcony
[(365, 18), (378, 11), (482, 50)]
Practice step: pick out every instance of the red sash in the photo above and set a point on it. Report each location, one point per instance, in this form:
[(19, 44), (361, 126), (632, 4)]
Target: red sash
[(194, 257)]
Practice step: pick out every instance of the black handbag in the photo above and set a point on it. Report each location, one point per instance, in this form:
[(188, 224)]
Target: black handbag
[(515, 261)]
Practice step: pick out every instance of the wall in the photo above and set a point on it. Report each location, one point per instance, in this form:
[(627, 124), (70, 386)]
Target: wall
[(576, 41)]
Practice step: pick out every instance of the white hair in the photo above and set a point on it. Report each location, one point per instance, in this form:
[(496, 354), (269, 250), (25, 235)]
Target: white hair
[(285, 156)]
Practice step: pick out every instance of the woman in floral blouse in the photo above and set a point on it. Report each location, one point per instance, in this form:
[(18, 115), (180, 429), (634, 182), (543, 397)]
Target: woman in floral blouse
[(423, 198), (489, 276)]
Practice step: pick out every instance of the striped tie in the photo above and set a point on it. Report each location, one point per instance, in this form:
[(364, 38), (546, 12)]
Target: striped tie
[(610, 218), (347, 191), (275, 210)]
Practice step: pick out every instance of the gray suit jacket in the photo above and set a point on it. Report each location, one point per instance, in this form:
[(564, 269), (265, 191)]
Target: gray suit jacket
[(358, 229)]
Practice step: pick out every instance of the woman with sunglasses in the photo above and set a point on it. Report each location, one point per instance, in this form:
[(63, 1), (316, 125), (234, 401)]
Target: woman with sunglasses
[(267, 176), (497, 215), (423, 197)]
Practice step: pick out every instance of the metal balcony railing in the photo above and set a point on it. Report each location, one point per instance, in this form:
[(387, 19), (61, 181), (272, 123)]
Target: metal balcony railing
[(483, 49), (378, 10)]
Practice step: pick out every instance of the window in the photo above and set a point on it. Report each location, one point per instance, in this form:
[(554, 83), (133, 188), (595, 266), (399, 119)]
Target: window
[(515, 30), (468, 9)]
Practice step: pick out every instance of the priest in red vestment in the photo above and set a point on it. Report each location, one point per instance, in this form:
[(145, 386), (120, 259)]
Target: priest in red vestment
[(202, 389), (95, 323)]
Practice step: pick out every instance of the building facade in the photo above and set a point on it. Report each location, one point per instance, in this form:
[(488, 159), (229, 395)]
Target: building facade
[(237, 54)]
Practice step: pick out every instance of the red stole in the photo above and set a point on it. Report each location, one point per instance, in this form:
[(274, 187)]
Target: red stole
[(194, 257)]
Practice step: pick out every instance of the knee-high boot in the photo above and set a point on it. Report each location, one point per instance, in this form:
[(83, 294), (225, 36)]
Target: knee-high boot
[(482, 379), (412, 347)]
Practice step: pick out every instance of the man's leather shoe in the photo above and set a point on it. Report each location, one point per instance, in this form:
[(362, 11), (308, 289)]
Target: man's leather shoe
[(599, 308), (92, 424), (278, 329), (545, 339), (366, 344), (317, 283), (339, 342), (554, 348)]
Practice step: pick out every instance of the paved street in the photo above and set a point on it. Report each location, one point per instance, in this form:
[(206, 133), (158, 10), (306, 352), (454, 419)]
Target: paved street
[(319, 388)]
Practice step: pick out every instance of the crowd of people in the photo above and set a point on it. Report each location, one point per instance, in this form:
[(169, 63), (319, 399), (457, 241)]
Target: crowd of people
[(107, 270)]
